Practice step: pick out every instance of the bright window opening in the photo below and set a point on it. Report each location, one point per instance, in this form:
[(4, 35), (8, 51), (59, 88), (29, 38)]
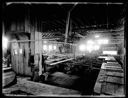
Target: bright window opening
[(110, 52), (45, 47)]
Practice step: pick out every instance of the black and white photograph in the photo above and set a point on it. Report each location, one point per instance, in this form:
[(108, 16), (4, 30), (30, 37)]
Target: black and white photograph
[(63, 49)]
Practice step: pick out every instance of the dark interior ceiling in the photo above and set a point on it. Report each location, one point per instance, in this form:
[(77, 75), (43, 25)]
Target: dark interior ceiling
[(52, 17)]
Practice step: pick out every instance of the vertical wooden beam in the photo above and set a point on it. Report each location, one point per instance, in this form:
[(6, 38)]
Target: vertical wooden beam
[(27, 29), (32, 37), (70, 27), (67, 23), (40, 52), (67, 27), (36, 42), (27, 21)]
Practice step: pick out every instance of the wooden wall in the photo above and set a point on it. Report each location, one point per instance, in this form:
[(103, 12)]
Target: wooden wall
[(20, 54), (20, 62)]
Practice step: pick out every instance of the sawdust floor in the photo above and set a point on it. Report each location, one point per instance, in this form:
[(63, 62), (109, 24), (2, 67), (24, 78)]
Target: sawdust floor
[(57, 84), (84, 84), (26, 87)]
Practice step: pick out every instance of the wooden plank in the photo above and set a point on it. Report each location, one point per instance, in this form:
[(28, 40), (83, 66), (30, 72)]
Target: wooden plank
[(62, 61), (52, 60), (119, 90), (27, 23), (6, 68), (40, 52), (110, 58), (21, 64), (21, 59), (14, 52), (108, 88), (103, 66), (102, 72), (37, 55), (110, 80), (14, 63), (113, 64), (112, 89), (37, 42), (115, 74), (26, 58), (115, 67), (116, 80), (97, 88), (27, 67), (99, 81), (24, 54), (32, 37), (114, 70), (12, 58), (36, 58), (17, 62), (67, 27)]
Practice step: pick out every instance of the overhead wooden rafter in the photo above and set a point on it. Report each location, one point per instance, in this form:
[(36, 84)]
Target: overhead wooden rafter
[(80, 35)]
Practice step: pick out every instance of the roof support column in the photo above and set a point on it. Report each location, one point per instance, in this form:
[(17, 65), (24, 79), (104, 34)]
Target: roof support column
[(68, 22), (67, 27)]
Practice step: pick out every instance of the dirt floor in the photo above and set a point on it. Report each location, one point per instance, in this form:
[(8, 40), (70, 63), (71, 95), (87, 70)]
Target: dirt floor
[(25, 87), (57, 84)]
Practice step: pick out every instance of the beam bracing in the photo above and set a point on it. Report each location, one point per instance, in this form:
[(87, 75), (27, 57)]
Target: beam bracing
[(67, 23), (80, 35)]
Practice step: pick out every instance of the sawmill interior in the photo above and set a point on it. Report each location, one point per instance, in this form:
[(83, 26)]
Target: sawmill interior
[(63, 49)]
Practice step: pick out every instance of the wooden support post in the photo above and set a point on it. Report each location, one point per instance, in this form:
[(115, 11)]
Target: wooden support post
[(27, 27), (67, 23), (27, 21), (32, 44), (80, 35), (38, 50), (67, 27)]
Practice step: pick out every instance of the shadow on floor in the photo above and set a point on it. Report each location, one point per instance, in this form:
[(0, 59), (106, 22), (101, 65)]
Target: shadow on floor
[(20, 92)]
